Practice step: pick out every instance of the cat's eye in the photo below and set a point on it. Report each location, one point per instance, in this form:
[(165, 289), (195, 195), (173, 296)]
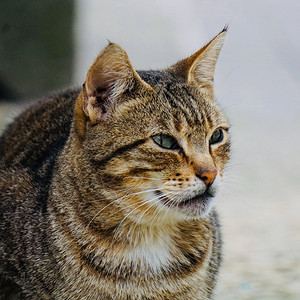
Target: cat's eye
[(165, 141), (216, 137)]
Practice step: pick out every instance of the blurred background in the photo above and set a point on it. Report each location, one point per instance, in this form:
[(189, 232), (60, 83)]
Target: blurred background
[(49, 45)]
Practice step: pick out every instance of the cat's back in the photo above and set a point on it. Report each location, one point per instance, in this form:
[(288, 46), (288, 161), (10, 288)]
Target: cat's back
[(39, 133), (28, 150)]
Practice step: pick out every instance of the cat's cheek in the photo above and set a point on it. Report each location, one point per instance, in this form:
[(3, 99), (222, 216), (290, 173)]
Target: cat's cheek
[(221, 156)]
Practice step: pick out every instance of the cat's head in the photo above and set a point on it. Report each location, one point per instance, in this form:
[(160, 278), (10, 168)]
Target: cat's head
[(158, 138)]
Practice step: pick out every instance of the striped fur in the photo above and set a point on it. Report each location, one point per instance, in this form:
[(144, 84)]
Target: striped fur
[(94, 207)]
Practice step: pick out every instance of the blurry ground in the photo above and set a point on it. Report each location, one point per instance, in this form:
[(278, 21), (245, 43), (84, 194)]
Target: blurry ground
[(259, 216)]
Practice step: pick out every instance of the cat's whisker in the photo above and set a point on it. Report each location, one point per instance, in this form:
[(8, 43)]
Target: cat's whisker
[(112, 202), (98, 213), (120, 199), (143, 203), (122, 191), (164, 197), (143, 192), (138, 221), (169, 207), (169, 199), (138, 177), (231, 193), (115, 200), (235, 179), (132, 204), (158, 200)]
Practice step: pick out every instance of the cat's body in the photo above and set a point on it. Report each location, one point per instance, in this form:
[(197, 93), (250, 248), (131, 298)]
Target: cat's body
[(105, 192)]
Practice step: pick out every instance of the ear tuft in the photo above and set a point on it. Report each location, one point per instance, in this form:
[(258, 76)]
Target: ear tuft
[(94, 105)]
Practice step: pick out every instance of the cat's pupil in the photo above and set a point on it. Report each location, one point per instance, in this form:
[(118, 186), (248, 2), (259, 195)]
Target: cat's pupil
[(165, 141), (217, 137)]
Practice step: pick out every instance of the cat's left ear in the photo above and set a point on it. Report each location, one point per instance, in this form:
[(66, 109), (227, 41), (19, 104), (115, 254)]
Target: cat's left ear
[(199, 68)]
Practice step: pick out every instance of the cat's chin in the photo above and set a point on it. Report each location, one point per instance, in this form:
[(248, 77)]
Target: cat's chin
[(196, 207)]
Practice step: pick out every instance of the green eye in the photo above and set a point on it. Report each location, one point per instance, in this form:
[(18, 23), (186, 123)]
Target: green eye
[(216, 137), (165, 141)]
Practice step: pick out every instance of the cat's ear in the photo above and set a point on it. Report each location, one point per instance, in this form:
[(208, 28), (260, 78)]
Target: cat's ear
[(108, 79), (199, 68)]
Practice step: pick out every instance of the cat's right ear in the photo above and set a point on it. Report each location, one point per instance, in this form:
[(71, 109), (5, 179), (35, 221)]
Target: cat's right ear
[(110, 76), (198, 69)]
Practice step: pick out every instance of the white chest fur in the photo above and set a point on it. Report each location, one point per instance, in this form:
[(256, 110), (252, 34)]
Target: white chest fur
[(153, 256)]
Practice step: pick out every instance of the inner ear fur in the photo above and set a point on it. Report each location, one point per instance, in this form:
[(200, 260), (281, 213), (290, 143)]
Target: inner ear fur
[(109, 77), (199, 68)]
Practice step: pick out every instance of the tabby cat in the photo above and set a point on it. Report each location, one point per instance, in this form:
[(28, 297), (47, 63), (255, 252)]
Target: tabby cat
[(106, 192)]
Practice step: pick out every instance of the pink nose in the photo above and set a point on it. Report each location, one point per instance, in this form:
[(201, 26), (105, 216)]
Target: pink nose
[(208, 176)]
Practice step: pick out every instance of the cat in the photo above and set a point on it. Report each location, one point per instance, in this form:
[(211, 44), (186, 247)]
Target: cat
[(106, 192)]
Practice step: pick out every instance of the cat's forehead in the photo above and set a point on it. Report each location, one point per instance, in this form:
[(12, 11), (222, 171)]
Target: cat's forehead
[(185, 106), (158, 77)]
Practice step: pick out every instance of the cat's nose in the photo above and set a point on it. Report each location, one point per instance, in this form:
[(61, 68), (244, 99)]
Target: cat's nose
[(205, 168), (207, 176)]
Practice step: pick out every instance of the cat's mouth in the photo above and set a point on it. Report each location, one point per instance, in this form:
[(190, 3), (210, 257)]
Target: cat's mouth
[(199, 203), (206, 196)]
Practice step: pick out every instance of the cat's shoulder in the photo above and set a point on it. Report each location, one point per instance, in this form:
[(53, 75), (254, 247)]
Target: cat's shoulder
[(42, 126)]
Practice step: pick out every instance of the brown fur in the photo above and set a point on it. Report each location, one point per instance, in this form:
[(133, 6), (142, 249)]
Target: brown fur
[(92, 208)]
